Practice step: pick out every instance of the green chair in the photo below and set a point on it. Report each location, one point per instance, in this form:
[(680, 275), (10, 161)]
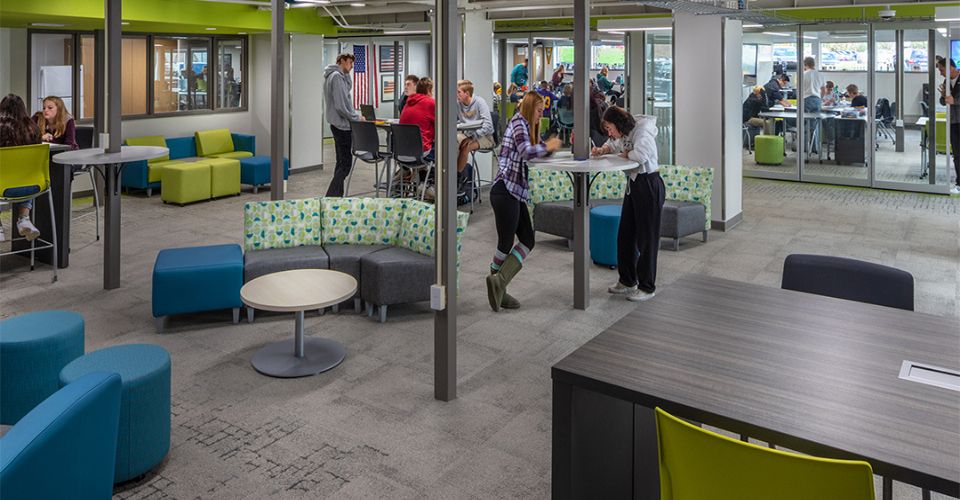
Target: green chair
[(28, 167), (186, 183), (155, 166), (218, 144), (768, 149), (941, 127), (697, 464)]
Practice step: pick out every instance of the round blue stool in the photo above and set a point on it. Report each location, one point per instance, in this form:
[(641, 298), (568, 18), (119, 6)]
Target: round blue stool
[(604, 224), (34, 347), (144, 435)]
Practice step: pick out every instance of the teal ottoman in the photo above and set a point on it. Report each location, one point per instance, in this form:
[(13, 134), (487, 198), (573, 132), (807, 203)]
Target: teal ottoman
[(255, 171), (196, 279), (34, 347), (144, 432), (604, 224)]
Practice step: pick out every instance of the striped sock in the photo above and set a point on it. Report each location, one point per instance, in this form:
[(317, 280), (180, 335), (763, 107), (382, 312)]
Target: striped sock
[(498, 259), (520, 251)]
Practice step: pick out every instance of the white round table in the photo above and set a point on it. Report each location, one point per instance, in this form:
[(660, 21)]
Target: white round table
[(297, 291), (110, 165)]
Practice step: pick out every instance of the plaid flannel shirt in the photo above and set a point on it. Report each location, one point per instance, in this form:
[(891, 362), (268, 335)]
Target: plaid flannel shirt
[(515, 150)]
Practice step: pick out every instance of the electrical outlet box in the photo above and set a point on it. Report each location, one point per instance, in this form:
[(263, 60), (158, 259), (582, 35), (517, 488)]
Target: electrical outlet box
[(438, 297)]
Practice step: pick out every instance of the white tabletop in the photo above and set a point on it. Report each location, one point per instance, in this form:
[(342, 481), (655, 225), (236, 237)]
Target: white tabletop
[(97, 156), (470, 125), (793, 115), (58, 147), (298, 290), (565, 162)]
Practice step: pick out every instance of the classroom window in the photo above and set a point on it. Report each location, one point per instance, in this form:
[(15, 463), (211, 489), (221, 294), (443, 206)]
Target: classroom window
[(181, 78), (843, 56), (230, 73)]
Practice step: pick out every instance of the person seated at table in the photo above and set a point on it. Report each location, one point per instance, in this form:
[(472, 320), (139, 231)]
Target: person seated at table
[(774, 90), (603, 83), (472, 108), (566, 97), (638, 237), (17, 129), (515, 93), (857, 100), (598, 106), (557, 78), (497, 97), (510, 194), (832, 95), (409, 88), (55, 123), (755, 104), (421, 111)]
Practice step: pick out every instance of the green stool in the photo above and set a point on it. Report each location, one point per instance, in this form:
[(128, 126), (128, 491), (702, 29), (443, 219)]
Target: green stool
[(185, 183), (768, 149), (224, 176)]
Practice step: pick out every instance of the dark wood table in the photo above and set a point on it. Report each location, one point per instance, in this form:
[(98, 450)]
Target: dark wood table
[(814, 374)]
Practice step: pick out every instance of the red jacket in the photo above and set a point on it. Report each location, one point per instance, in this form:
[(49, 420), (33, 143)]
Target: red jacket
[(420, 110)]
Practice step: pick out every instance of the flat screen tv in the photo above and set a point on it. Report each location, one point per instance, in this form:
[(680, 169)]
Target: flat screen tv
[(955, 51)]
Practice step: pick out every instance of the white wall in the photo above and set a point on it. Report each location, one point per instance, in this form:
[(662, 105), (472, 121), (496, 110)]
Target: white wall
[(420, 56), (259, 94), (306, 90), (636, 99), (478, 49), (13, 61)]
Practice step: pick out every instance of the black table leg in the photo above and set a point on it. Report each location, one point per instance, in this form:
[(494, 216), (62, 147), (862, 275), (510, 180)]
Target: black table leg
[(111, 226)]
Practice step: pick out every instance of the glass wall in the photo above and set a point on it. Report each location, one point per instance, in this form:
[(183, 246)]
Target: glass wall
[(51, 69), (180, 75), (230, 72), (658, 75)]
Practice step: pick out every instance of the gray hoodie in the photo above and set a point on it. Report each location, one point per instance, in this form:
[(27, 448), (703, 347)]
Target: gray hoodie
[(641, 146), (336, 97), (477, 110)]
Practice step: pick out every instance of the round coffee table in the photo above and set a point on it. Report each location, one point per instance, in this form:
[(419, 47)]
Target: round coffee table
[(297, 291)]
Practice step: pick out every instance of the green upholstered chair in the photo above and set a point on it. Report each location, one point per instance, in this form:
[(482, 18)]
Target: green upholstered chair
[(941, 128), (218, 144), (155, 166), (769, 149), (186, 183), (697, 464), (224, 176)]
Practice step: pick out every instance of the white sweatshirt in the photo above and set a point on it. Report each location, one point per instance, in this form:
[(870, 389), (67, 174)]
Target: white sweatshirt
[(641, 145)]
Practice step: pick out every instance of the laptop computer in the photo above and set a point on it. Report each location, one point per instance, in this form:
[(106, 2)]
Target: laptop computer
[(368, 113)]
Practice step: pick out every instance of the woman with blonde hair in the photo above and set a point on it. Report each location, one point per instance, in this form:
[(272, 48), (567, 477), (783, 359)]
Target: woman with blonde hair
[(509, 195), (56, 124)]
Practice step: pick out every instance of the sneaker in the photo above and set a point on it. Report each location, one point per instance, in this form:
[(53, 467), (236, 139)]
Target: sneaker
[(430, 194), (955, 190), (27, 229), (640, 296), (621, 289)]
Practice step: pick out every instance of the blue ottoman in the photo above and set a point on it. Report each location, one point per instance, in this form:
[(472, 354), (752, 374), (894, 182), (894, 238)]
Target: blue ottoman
[(196, 279), (144, 432), (33, 349), (604, 224), (255, 171)]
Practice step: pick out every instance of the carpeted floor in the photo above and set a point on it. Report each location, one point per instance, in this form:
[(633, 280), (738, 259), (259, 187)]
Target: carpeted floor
[(371, 428)]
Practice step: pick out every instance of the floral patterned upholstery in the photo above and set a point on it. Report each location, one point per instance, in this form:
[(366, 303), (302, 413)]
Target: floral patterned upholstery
[(281, 224), (689, 184), (549, 185), (417, 230), (361, 221)]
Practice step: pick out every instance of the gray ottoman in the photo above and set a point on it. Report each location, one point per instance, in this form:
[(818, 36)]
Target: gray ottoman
[(346, 259), (682, 218), (395, 276)]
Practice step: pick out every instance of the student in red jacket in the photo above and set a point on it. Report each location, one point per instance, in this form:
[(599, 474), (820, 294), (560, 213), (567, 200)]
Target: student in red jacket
[(420, 110)]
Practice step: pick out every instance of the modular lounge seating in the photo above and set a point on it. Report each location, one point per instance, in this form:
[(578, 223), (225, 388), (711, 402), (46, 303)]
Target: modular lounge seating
[(686, 210), (848, 279), (385, 243)]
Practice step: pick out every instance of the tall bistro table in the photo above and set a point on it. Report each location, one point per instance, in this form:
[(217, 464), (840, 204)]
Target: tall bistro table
[(297, 291), (110, 165), (814, 374), (582, 173)]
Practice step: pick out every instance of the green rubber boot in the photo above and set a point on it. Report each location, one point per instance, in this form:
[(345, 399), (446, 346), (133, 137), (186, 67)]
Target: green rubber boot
[(497, 283), (508, 301)]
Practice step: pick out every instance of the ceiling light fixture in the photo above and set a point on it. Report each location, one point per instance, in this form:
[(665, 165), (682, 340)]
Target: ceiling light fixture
[(411, 32), (211, 29), (752, 25), (774, 33), (622, 30), (125, 23), (357, 4), (47, 25)]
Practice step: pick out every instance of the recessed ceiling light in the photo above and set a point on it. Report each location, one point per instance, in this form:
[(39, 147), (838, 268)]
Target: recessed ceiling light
[(242, 33), (211, 29), (125, 23), (47, 25), (357, 4)]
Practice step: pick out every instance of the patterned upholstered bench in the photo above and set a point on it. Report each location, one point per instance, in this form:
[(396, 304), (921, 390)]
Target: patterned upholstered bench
[(686, 210), (385, 244)]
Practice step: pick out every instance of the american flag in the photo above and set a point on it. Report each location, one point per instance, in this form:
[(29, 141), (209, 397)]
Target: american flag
[(362, 78), (388, 61)]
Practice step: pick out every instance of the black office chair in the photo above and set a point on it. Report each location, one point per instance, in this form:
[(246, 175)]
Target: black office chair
[(84, 136), (848, 279), (478, 181), (406, 145), (365, 146)]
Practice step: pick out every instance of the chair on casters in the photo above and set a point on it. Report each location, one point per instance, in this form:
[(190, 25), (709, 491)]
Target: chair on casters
[(848, 279), (477, 179), (696, 463), (34, 172), (365, 147), (407, 147), (85, 141)]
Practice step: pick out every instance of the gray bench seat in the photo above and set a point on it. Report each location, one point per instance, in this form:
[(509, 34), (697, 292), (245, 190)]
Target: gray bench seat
[(395, 276)]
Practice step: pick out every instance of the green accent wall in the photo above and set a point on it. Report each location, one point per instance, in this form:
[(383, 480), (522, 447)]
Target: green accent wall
[(161, 16), (866, 12), (565, 23)]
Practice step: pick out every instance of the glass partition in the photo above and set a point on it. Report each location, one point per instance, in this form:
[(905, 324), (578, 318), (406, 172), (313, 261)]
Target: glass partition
[(181, 76), (51, 68), (658, 75)]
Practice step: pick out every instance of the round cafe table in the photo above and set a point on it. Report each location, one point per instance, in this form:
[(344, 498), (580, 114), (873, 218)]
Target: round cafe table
[(297, 291)]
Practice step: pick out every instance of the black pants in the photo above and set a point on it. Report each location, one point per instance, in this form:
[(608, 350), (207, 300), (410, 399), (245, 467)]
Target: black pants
[(638, 240), (343, 143), (955, 148), (512, 219)]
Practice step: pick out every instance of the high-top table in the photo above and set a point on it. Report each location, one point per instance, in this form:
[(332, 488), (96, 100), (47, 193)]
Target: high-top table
[(110, 165), (297, 291), (582, 172), (814, 374)]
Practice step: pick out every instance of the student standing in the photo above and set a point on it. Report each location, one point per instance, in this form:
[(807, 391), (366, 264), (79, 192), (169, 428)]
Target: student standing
[(812, 95), (509, 195), (557, 78), (950, 96), (519, 74), (17, 129), (774, 90), (340, 112), (56, 125), (638, 239)]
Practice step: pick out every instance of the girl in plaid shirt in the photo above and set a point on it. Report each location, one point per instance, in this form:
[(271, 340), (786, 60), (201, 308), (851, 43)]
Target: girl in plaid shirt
[(509, 194)]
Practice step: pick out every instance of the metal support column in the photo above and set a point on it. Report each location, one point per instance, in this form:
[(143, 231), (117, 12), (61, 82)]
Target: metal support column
[(898, 72), (531, 62), (446, 50), (397, 84), (931, 106), (111, 219), (504, 82), (276, 99), (581, 151)]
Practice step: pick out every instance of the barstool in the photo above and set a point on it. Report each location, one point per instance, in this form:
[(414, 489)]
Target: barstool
[(34, 171)]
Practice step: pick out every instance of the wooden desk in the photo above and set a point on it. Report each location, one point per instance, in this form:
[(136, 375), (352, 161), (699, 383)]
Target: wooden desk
[(814, 374)]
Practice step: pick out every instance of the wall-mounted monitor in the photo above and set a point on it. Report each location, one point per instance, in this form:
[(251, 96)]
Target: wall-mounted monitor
[(955, 51)]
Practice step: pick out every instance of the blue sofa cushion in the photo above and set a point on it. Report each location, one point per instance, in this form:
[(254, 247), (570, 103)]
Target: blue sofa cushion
[(195, 279), (181, 147), (66, 446)]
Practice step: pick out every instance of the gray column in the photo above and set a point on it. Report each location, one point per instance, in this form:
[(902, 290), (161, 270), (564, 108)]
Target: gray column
[(446, 49), (504, 82), (111, 218), (531, 62), (276, 100), (397, 84), (581, 150), (898, 72), (931, 106)]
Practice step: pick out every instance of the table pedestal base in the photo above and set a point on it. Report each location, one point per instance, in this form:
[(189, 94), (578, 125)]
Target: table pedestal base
[(300, 357)]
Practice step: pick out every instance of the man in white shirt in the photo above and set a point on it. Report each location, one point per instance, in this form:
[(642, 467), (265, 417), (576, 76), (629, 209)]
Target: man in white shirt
[(812, 92)]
